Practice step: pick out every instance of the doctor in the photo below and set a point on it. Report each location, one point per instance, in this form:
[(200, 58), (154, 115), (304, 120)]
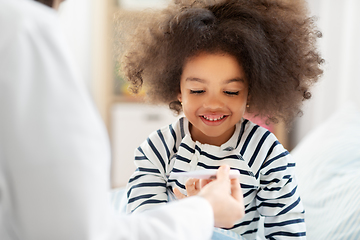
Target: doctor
[(54, 151)]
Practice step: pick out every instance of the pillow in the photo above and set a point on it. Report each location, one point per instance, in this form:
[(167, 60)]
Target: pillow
[(328, 172)]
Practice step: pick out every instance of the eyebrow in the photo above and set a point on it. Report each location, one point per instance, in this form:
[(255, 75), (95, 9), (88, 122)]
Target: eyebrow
[(193, 79)]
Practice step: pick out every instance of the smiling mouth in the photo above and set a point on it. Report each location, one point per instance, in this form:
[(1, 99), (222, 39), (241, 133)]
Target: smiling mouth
[(213, 118)]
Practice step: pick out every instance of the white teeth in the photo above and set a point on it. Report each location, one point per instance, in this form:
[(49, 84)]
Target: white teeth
[(214, 119)]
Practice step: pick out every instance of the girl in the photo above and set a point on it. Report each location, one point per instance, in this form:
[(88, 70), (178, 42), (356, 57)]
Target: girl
[(217, 61)]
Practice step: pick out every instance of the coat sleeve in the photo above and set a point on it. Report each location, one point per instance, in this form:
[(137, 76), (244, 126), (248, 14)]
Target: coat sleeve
[(278, 199), (54, 150)]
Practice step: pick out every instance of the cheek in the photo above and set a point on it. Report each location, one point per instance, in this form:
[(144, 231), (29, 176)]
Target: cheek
[(188, 108), (188, 99), (239, 106)]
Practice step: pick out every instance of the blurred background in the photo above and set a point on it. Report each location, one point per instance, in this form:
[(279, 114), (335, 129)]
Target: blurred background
[(95, 30)]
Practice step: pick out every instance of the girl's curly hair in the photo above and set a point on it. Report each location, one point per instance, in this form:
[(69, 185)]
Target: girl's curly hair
[(274, 41)]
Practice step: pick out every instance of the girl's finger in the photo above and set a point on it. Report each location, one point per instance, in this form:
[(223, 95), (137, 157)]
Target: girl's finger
[(178, 194), (192, 186)]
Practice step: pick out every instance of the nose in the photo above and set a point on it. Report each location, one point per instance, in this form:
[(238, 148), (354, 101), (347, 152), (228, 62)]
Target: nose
[(213, 102)]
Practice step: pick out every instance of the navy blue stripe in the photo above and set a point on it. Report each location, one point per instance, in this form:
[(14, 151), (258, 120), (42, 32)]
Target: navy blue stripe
[(191, 150), (149, 170), (161, 136), (267, 155), (140, 158), (150, 201), (273, 189), (250, 231), (245, 172), (258, 147), (268, 162), (174, 137), (271, 149), (181, 120), (247, 141), (177, 170), (154, 149), (285, 223), (146, 184), (246, 186), (180, 158), (197, 148), (241, 131), (140, 197), (140, 150), (177, 183), (206, 166), (212, 157), (272, 205), (251, 209), (278, 169), (244, 223), (248, 193), (136, 177), (287, 234), (287, 195), (289, 181), (275, 180), (257, 174), (286, 210)]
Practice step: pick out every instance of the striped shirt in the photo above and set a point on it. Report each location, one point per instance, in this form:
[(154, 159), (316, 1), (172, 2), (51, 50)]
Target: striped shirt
[(267, 175)]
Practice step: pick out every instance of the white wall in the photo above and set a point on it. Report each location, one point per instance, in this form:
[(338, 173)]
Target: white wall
[(131, 125), (141, 4), (339, 22)]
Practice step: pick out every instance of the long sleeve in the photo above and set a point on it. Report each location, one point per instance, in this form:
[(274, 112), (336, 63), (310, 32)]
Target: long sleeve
[(278, 199), (275, 194), (54, 150), (147, 186)]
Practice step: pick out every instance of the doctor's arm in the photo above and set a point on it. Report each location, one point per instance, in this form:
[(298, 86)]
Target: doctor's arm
[(54, 151)]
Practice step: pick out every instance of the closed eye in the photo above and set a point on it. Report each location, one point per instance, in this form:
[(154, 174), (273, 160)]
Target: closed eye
[(196, 91), (231, 93)]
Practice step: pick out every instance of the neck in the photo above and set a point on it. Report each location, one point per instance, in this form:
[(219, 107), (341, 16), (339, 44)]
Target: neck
[(197, 135)]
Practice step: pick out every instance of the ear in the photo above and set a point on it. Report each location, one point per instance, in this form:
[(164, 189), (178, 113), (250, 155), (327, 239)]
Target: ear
[(248, 99), (179, 97)]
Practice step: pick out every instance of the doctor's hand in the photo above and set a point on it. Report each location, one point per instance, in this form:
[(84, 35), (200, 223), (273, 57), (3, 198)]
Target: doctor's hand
[(226, 198)]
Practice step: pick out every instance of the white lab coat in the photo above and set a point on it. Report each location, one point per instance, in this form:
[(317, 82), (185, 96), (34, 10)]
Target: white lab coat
[(54, 151)]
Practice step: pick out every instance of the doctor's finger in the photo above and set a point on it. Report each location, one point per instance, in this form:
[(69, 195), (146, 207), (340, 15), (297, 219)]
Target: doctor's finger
[(203, 182), (223, 173), (236, 191)]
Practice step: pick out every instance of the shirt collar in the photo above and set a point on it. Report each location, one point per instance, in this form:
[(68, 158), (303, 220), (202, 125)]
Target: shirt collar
[(227, 146)]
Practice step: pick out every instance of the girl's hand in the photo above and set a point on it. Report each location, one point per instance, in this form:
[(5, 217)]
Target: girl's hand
[(192, 186), (224, 195)]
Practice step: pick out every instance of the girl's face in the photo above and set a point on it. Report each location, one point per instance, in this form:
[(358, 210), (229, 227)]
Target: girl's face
[(214, 94)]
